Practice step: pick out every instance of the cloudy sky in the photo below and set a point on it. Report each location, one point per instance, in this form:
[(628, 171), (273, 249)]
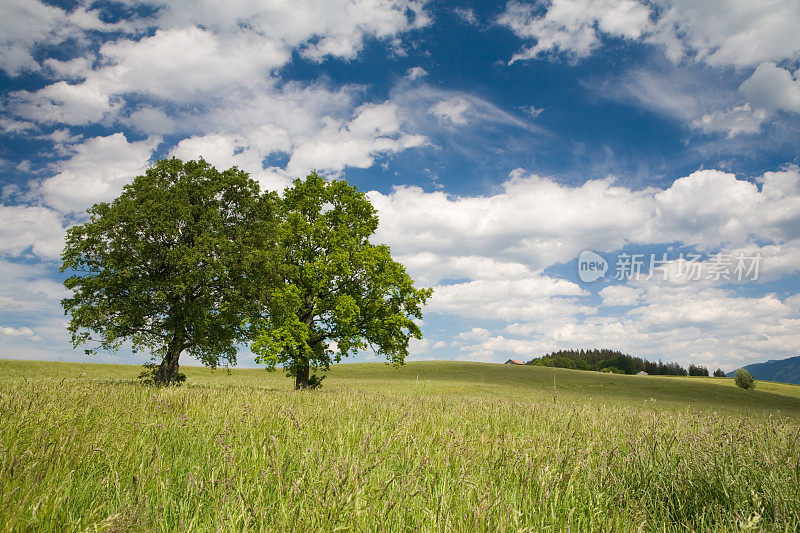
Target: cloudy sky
[(498, 143)]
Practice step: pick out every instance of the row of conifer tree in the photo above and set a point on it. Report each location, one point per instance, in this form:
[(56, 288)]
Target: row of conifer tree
[(605, 360)]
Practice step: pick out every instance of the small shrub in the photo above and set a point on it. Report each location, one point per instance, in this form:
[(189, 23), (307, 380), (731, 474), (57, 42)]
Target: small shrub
[(744, 379), (148, 376), (315, 381)]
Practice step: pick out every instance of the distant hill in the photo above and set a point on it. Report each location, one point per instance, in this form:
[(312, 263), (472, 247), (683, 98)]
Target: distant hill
[(783, 371)]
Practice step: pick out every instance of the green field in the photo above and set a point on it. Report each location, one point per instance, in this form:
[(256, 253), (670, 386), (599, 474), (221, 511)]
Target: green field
[(433, 446)]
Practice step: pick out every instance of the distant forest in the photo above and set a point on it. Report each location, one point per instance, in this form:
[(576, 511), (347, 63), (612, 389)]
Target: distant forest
[(604, 360)]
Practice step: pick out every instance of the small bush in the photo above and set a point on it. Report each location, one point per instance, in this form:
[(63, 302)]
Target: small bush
[(148, 376), (744, 379), (315, 381)]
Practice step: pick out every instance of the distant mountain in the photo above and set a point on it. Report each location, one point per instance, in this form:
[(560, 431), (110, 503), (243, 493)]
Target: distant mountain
[(785, 370)]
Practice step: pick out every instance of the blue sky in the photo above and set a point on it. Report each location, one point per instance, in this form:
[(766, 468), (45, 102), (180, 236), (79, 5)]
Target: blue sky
[(497, 140)]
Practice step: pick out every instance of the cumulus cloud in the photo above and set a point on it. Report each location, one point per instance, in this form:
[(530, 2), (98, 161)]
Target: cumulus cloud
[(690, 33), (27, 288), (728, 32), (687, 324), (206, 74), (33, 228), (96, 172), (474, 333), (29, 302), (531, 298), (26, 24), (319, 28), (375, 129), (620, 295), (722, 33), (201, 49), (773, 88), (573, 27), (740, 119), (485, 257), (18, 332), (536, 221)]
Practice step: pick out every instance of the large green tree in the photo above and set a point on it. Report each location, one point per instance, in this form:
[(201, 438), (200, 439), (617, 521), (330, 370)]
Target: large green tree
[(180, 262), (340, 293)]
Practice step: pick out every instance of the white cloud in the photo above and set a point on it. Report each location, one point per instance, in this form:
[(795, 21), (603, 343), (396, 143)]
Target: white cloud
[(776, 260), (62, 102), (28, 288), (201, 50), (15, 126), (709, 208), (696, 95), (728, 32), (24, 228), (537, 297), (537, 222), (427, 108), (484, 257), (534, 220), (740, 119), (772, 87), (415, 73), (151, 121), (466, 15), (25, 24), (683, 93), (375, 129), (17, 332), (573, 27), (688, 324), (455, 110), (29, 302), (344, 27), (702, 33), (222, 151), (431, 267), (719, 33), (474, 334), (620, 295), (96, 172), (315, 127)]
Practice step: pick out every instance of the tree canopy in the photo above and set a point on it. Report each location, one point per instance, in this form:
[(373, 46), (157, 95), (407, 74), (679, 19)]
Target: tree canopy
[(180, 261), (340, 293)]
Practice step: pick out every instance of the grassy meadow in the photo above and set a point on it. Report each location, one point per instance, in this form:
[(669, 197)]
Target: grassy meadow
[(432, 446)]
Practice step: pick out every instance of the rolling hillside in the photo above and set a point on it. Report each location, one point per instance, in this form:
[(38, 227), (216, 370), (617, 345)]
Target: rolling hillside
[(481, 380), (432, 446)]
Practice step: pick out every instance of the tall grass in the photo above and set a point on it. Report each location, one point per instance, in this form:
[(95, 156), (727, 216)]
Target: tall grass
[(81, 456)]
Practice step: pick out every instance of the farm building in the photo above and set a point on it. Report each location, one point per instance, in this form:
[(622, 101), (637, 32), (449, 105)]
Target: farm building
[(513, 362)]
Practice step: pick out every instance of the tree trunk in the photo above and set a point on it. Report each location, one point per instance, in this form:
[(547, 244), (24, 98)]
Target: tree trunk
[(167, 371), (301, 374)]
